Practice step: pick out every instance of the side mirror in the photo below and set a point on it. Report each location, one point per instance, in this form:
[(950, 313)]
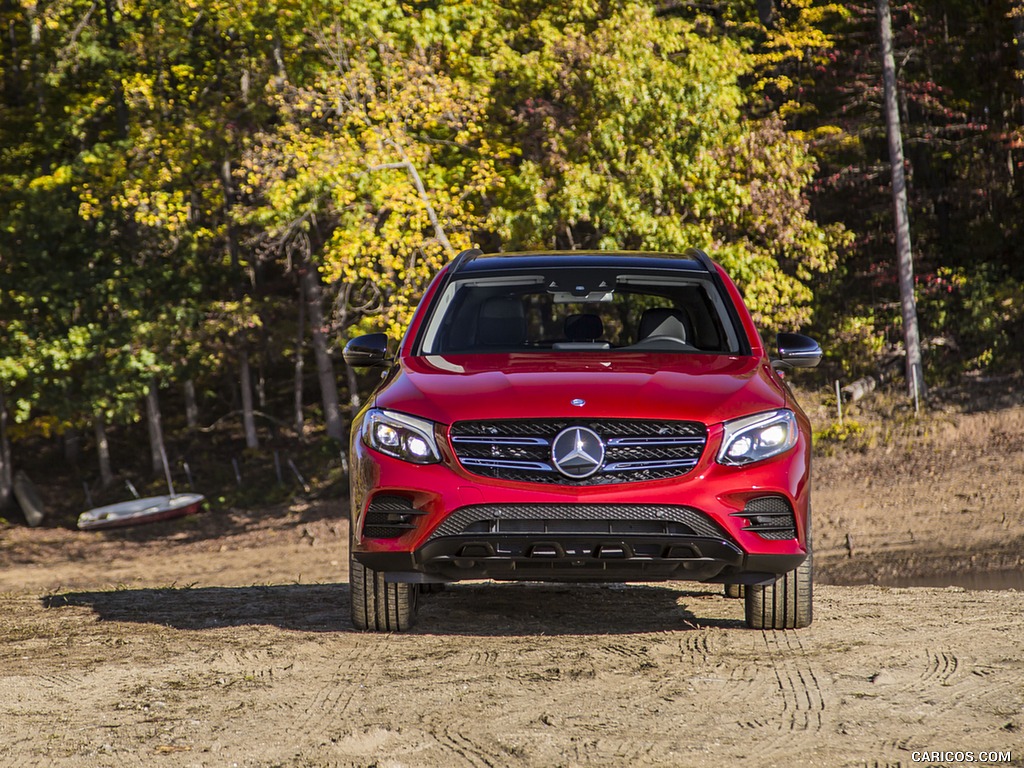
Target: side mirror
[(367, 351), (796, 351)]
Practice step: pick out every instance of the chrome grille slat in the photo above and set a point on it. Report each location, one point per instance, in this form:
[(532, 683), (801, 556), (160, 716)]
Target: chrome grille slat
[(648, 441), (508, 464), (500, 440), (632, 466)]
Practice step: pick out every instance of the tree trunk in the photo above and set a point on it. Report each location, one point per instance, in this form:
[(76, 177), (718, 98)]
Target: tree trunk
[(904, 252), (300, 344), (99, 426), (156, 432), (324, 366), (354, 400), (252, 440), (114, 40), (6, 473), (72, 447), (191, 407), (1018, 34)]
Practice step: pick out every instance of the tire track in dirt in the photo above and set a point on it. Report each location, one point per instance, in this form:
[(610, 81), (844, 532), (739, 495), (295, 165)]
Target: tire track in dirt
[(626, 651), (714, 673), (727, 677), (802, 695), (941, 666), (59, 681), (696, 647), (623, 752), (453, 742), (333, 695), (487, 658), (774, 671), (16, 754), (956, 681)]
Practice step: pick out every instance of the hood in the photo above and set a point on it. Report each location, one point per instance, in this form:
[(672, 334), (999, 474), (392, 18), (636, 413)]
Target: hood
[(706, 388)]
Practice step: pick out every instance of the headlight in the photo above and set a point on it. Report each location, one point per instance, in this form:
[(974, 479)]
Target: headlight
[(759, 437), (404, 437)]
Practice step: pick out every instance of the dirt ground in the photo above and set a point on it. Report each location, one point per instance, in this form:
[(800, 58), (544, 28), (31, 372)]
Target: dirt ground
[(223, 639)]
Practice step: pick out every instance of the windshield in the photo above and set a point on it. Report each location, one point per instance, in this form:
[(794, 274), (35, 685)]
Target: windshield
[(564, 313)]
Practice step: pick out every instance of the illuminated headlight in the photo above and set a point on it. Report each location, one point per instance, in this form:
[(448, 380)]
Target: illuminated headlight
[(404, 437), (759, 437)]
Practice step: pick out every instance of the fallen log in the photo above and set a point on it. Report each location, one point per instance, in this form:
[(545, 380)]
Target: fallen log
[(856, 390)]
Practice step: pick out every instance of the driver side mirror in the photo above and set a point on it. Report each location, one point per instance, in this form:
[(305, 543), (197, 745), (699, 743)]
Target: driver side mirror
[(367, 351), (796, 351)]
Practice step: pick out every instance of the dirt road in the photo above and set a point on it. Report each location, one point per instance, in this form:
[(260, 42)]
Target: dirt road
[(223, 640)]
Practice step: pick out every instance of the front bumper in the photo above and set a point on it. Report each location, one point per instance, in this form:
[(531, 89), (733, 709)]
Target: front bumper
[(437, 523), (578, 557)]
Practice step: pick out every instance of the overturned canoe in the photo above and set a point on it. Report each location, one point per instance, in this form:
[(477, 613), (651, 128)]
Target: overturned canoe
[(138, 511)]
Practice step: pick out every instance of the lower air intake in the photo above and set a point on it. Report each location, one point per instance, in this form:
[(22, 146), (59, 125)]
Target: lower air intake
[(388, 517), (771, 517)]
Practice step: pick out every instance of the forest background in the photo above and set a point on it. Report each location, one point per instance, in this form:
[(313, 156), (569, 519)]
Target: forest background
[(201, 201)]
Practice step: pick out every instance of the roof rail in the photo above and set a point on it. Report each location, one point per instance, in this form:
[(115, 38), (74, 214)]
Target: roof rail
[(705, 261), (464, 256)]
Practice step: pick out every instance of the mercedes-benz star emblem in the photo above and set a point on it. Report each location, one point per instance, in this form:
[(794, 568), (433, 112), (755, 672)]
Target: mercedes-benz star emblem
[(577, 452)]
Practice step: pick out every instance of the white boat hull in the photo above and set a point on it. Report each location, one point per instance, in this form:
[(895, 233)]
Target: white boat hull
[(138, 511)]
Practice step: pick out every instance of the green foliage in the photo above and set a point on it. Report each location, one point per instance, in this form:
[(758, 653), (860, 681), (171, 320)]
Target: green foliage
[(166, 168), (975, 317), (844, 431), (383, 158), (631, 143)]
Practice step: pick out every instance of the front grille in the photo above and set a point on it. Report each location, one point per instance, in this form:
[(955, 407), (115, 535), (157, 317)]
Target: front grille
[(636, 519), (635, 450), (771, 517), (388, 517)]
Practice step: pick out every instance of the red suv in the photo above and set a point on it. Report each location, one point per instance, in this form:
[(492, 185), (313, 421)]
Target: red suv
[(581, 417)]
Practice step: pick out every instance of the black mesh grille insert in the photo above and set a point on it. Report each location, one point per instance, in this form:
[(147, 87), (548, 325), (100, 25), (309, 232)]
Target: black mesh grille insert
[(579, 518), (635, 450), (388, 517), (771, 517)]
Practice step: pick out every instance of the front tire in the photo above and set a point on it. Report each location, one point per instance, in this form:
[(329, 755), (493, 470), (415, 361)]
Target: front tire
[(786, 604), (377, 605)]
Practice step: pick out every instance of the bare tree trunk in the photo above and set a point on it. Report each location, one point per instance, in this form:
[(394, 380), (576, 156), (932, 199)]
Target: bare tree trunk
[(191, 407), (324, 366), (99, 426), (72, 446), (354, 400), (156, 432), (6, 472), (904, 252), (1018, 33), (417, 181), (245, 374), (300, 343), (252, 440), (114, 40)]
